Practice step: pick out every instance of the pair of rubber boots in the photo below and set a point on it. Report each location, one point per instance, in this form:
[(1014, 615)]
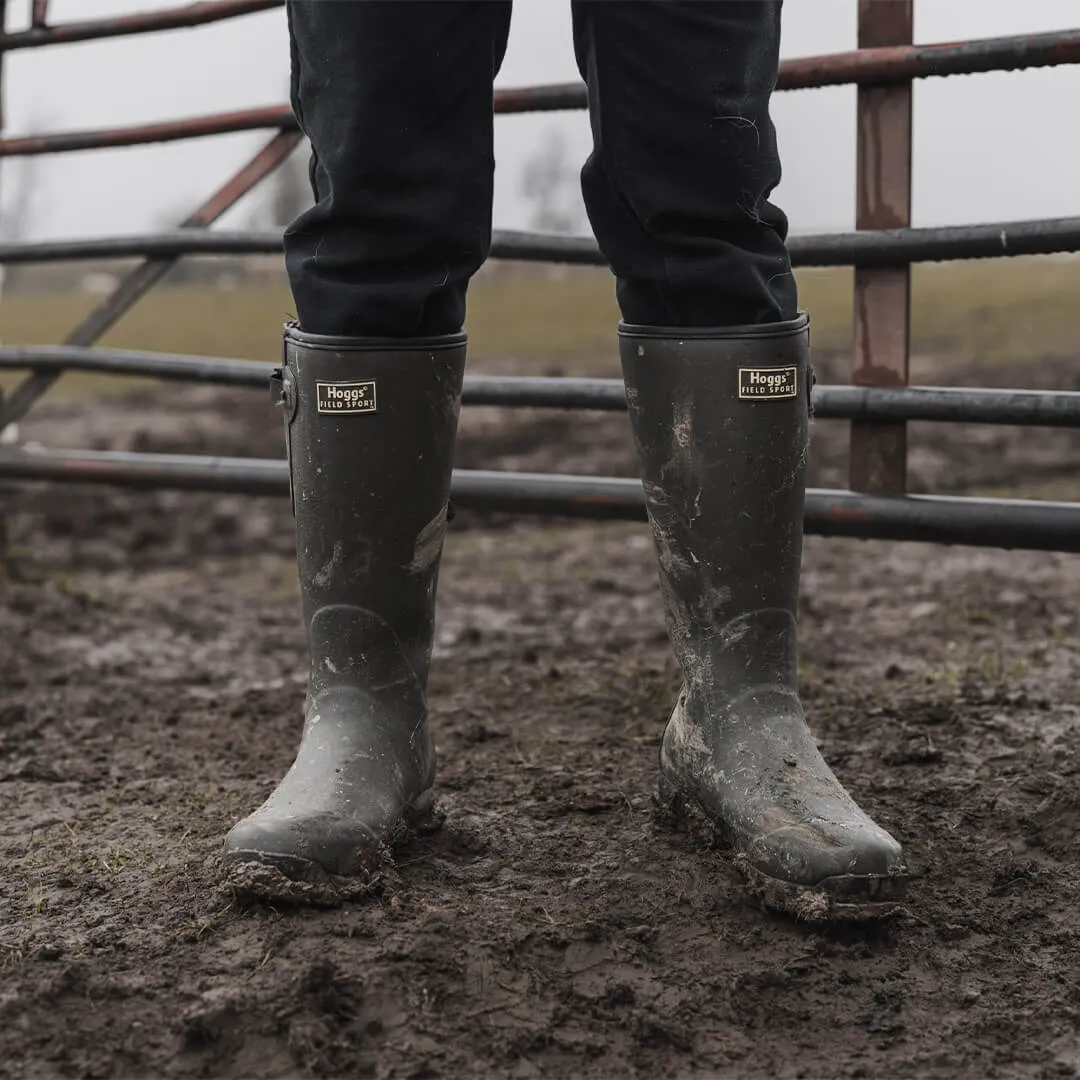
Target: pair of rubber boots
[(721, 422)]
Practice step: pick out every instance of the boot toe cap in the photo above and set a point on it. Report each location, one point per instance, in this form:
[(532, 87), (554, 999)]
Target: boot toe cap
[(303, 849), (852, 859)]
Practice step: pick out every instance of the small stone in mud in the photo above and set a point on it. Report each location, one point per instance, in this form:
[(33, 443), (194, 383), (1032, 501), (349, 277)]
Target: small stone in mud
[(952, 931), (11, 715), (619, 994), (480, 733), (212, 1016)]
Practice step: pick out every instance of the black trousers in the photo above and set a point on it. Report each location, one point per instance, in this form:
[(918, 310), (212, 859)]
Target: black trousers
[(396, 98)]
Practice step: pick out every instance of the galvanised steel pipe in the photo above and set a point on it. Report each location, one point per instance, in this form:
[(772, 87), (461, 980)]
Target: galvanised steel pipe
[(948, 404), (869, 248), (178, 472), (1000, 523), (170, 366), (1028, 524), (1023, 408)]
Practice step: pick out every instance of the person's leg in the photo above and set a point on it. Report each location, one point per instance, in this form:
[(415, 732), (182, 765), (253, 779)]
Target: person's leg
[(397, 99), (716, 363), (685, 158)]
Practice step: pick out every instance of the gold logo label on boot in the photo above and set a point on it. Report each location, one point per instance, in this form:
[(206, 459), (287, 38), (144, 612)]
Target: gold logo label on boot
[(763, 384), (345, 397)]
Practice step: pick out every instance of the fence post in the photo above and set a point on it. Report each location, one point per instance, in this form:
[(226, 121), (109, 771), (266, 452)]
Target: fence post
[(4, 492), (881, 346)]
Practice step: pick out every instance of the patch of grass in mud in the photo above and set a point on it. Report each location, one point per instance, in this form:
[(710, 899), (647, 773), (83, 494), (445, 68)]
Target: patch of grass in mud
[(994, 311), (556, 549), (972, 669), (625, 691), (1055, 489), (192, 816), (66, 851), (67, 858)]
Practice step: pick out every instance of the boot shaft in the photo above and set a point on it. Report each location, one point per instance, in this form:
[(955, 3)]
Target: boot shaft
[(721, 422), (370, 429)]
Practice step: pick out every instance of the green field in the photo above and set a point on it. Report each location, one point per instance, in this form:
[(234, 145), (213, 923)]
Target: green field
[(992, 312)]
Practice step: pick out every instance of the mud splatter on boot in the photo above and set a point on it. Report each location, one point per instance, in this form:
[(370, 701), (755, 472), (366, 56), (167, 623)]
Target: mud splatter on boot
[(370, 430), (721, 422)]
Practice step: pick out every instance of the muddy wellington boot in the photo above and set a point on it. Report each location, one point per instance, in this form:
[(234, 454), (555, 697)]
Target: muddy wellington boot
[(370, 428), (721, 421)]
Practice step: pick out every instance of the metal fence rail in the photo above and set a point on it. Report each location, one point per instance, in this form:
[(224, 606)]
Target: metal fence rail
[(1000, 523), (958, 405), (868, 248), (878, 405), (863, 67)]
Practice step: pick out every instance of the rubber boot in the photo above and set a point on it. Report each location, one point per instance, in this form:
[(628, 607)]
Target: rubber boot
[(721, 422), (370, 428)]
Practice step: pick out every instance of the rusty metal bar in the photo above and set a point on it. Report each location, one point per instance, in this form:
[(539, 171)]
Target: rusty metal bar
[(882, 248), (890, 63), (275, 116), (1022, 408), (1007, 523), (534, 99), (878, 456), (4, 530), (144, 277), (189, 15), (3, 53), (866, 67), (558, 97), (882, 59)]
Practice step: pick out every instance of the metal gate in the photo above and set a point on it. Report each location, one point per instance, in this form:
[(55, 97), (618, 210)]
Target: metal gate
[(878, 404)]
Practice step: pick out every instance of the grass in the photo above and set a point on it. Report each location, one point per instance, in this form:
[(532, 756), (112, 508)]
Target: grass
[(1055, 489), (992, 312)]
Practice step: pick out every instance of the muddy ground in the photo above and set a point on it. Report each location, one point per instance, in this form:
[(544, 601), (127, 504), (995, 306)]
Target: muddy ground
[(153, 666)]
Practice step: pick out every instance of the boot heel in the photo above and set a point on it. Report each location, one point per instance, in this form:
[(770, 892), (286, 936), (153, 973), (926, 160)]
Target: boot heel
[(423, 816), (670, 801)]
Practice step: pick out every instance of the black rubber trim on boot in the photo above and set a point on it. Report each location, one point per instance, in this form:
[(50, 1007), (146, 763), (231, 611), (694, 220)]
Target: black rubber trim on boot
[(370, 428), (338, 344), (721, 422), (751, 331)]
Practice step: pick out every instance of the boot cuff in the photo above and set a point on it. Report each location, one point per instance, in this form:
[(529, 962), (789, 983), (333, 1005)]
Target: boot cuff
[(339, 343), (790, 328)]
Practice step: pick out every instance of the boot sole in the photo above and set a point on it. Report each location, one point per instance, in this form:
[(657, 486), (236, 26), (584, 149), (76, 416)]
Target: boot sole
[(846, 898), (843, 898), (292, 878)]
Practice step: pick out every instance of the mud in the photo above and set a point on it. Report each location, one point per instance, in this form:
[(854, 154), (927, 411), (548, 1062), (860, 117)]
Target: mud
[(153, 668)]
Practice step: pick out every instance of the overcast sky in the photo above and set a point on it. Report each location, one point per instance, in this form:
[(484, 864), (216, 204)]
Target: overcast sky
[(988, 147)]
